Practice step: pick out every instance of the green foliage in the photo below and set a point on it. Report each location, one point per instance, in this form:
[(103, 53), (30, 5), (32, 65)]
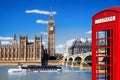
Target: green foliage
[(58, 56), (52, 58)]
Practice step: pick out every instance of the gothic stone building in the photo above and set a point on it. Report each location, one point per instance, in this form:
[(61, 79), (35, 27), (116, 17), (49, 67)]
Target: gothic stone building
[(23, 51), (79, 47)]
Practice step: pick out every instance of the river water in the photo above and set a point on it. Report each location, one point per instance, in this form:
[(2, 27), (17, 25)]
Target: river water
[(68, 73)]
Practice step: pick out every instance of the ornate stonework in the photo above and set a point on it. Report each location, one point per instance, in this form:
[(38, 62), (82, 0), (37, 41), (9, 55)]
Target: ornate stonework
[(51, 36), (23, 51)]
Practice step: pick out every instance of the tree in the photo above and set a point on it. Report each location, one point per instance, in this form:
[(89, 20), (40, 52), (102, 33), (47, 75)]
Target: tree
[(52, 58), (58, 56)]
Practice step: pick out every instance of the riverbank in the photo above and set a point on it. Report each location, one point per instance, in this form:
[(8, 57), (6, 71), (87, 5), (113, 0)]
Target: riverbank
[(49, 62), (16, 63)]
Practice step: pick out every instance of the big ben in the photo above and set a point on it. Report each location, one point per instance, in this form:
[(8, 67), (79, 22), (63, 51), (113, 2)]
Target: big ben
[(51, 35)]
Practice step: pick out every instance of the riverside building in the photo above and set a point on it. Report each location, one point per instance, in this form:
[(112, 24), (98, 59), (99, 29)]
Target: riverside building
[(25, 52)]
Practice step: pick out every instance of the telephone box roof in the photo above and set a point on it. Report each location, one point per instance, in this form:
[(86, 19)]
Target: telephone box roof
[(115, 9)]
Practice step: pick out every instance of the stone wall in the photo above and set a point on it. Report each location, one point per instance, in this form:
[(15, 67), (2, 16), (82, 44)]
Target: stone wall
[(55, 62), (15, 63)]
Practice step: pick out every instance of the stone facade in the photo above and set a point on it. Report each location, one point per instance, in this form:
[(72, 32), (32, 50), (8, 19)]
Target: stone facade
[(23, 51), (51, 36), (79, 47)]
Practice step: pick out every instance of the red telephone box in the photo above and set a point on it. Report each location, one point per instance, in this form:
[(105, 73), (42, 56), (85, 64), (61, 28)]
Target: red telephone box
[(106, 44)]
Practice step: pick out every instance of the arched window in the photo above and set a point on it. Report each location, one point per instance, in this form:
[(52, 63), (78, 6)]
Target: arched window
[(22, 54)]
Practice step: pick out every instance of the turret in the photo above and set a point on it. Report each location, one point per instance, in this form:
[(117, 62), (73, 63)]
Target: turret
[(87, 40), (41, 38), (14, 40), (34, 37), (23, 40), (51, 20), (26, 38)]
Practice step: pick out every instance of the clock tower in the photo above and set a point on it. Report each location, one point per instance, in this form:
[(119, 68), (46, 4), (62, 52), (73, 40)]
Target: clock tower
[(51, 36)]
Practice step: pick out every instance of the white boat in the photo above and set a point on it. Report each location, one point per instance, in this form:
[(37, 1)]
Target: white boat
[(21, 69), (35, 71), (59, 70), (17, 70), (14, 70)]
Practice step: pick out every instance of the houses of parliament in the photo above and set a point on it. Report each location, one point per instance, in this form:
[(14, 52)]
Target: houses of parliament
[(28, 53)]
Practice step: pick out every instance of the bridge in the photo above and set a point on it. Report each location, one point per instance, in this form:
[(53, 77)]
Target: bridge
[(82, 61)]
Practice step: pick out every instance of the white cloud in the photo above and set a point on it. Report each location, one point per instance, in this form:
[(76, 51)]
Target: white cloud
[(44, 33), (69, 42), (6, 38), (58, 50), (83, 39), (39, 12), (90, 39), (41, 22), (30, 40), (5, 42), (61, 47), (43, 42), (89, 32)]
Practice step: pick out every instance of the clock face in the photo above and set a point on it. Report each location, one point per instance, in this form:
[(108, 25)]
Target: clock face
[(51, 28)]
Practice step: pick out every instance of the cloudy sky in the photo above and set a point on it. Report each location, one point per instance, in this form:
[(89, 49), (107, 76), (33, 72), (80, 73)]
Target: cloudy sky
[(72, 18)]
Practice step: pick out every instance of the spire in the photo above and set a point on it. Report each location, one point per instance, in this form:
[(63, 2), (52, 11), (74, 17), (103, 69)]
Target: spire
[(87, 40), (41, 36), (34, 36), (51, 18), (19, 35), (14, 36), (80, 39), (14, 40), (26, 36), (41, 40), (51, 15)]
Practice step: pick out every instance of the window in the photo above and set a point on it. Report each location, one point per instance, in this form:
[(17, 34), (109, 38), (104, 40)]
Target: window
[(22, 54)]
